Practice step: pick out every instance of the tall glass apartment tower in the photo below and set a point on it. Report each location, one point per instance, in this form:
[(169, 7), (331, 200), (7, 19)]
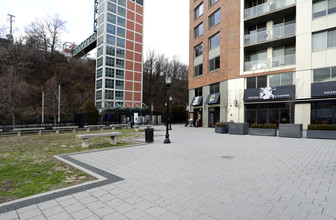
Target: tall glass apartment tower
[(119, 54)]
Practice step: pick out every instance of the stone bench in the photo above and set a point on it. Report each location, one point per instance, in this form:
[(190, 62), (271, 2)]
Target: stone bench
[(114, 126), (19, 130), (100, 127), (136, 127), (85, 137), (73, 128)]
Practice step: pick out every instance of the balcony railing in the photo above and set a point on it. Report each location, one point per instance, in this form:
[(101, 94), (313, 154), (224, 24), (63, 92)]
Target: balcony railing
[(276, 33), (270, 63), (267, 7)]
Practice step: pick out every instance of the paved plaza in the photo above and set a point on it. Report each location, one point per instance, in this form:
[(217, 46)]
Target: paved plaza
[(200, 175)]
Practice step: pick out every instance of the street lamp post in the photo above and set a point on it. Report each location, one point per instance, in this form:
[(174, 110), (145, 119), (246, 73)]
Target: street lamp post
[(168, 82), (170, 112)]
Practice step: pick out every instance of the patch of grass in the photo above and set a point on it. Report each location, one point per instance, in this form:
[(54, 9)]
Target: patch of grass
[(28, 166)]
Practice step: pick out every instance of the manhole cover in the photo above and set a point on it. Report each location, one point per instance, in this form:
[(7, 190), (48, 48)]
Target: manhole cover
[(227, 157)]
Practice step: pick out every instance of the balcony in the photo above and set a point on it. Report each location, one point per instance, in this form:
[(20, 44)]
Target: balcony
[(270, 63), (270, 35), (267, 7)]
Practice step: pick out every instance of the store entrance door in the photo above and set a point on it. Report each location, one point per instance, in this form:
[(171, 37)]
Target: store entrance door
[(198, 121), (213, 116)]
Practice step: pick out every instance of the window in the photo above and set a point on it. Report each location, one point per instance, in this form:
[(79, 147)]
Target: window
[(284, 55), (100, 30), (110, 50), (214, 64), (121, 11), (323, 40), (109, 94), (109, 61), (121, 22), (140, 2), (323, 8), (111, 18), (283, 79), (256, 82), (100, 40), (199, 30), (99, 84), (99, 73), (101, 19), (214, 88), (110, 39), (119, 84), (214, 18), (120, 63), (323, 112), (121, 32), (199, 50), (109, 72), (119, 104), (325, 74), (198, 70), (99, 95), (198, 92), (120, 74), (110, 29), (109, 104), (214, 41), (109, 83), (99, 62), (199, 10), (213, 2), (111, 7), (119, 95), (120, 42), (122, 2), (120, 53), (100, 51), (98, 105)]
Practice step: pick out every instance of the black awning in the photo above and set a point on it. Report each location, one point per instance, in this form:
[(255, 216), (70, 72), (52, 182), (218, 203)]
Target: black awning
[(212, 99), (197, 101)]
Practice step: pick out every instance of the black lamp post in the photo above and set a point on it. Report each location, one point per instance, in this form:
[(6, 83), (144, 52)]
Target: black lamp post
[(168, 82), (170, 112)]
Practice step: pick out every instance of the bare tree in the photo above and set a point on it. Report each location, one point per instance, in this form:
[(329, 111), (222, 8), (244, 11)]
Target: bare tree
[(52, 97), (45, 33), (13, 92)]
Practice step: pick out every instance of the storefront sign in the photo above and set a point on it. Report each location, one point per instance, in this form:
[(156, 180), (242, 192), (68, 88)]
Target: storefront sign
[(270, 93), (212, 99), (323, 89), (197, 101)]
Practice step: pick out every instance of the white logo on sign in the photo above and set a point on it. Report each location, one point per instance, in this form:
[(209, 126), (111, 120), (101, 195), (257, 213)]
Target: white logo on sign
[(266, 93), (195, 102)]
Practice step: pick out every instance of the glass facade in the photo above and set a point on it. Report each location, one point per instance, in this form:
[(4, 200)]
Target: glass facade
[(323, 112), (112, 34)]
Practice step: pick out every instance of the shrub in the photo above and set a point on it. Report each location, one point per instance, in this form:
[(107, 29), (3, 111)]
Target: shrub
[(220, 125), (266, 126), (91, 114), (322, 127)]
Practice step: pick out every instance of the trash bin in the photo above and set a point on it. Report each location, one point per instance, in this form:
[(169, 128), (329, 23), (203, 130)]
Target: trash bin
[(149, 134)]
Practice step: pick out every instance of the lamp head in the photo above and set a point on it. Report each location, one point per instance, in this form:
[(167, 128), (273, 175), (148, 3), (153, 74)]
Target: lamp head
[(168, 79)]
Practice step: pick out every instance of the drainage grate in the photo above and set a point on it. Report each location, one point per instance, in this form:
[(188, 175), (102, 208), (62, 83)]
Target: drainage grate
[(227, 157)]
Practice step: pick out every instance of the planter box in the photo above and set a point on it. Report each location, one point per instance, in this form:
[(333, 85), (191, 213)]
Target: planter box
[(221, 130), (238, 128), (321, 134), (263, 131), (291, 130)]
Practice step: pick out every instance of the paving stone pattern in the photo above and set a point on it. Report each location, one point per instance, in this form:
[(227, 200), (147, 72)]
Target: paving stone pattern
[(204, 175)]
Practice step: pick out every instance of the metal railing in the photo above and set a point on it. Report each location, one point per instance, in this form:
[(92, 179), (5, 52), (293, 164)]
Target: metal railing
[(273, 34), (270, 63), (267, 7)]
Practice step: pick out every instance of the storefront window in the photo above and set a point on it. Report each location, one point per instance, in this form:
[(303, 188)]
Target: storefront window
[(323, 113)]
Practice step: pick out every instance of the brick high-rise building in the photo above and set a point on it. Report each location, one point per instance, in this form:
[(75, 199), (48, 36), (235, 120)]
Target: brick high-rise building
[(119, 54), (263, 61)]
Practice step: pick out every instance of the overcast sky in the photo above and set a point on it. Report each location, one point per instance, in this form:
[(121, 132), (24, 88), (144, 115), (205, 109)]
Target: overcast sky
[(166, 22)]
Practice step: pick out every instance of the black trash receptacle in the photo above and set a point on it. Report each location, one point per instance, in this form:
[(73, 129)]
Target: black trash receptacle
[(149, 134)]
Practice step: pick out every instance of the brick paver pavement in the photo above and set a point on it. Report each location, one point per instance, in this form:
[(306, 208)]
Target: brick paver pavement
[(204, 175)]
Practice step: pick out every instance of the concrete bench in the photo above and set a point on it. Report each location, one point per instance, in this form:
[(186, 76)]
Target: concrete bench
[(19, 130), (114, 126), (136, 127), (73, 128), (100, 127), (85, 137)]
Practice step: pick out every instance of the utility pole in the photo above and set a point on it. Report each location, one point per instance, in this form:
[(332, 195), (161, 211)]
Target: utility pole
[(42, 108), (11, 20), (59, 105)]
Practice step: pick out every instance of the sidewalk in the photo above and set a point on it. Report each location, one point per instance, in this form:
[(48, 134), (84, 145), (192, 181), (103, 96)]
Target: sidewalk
[(200, 175)]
